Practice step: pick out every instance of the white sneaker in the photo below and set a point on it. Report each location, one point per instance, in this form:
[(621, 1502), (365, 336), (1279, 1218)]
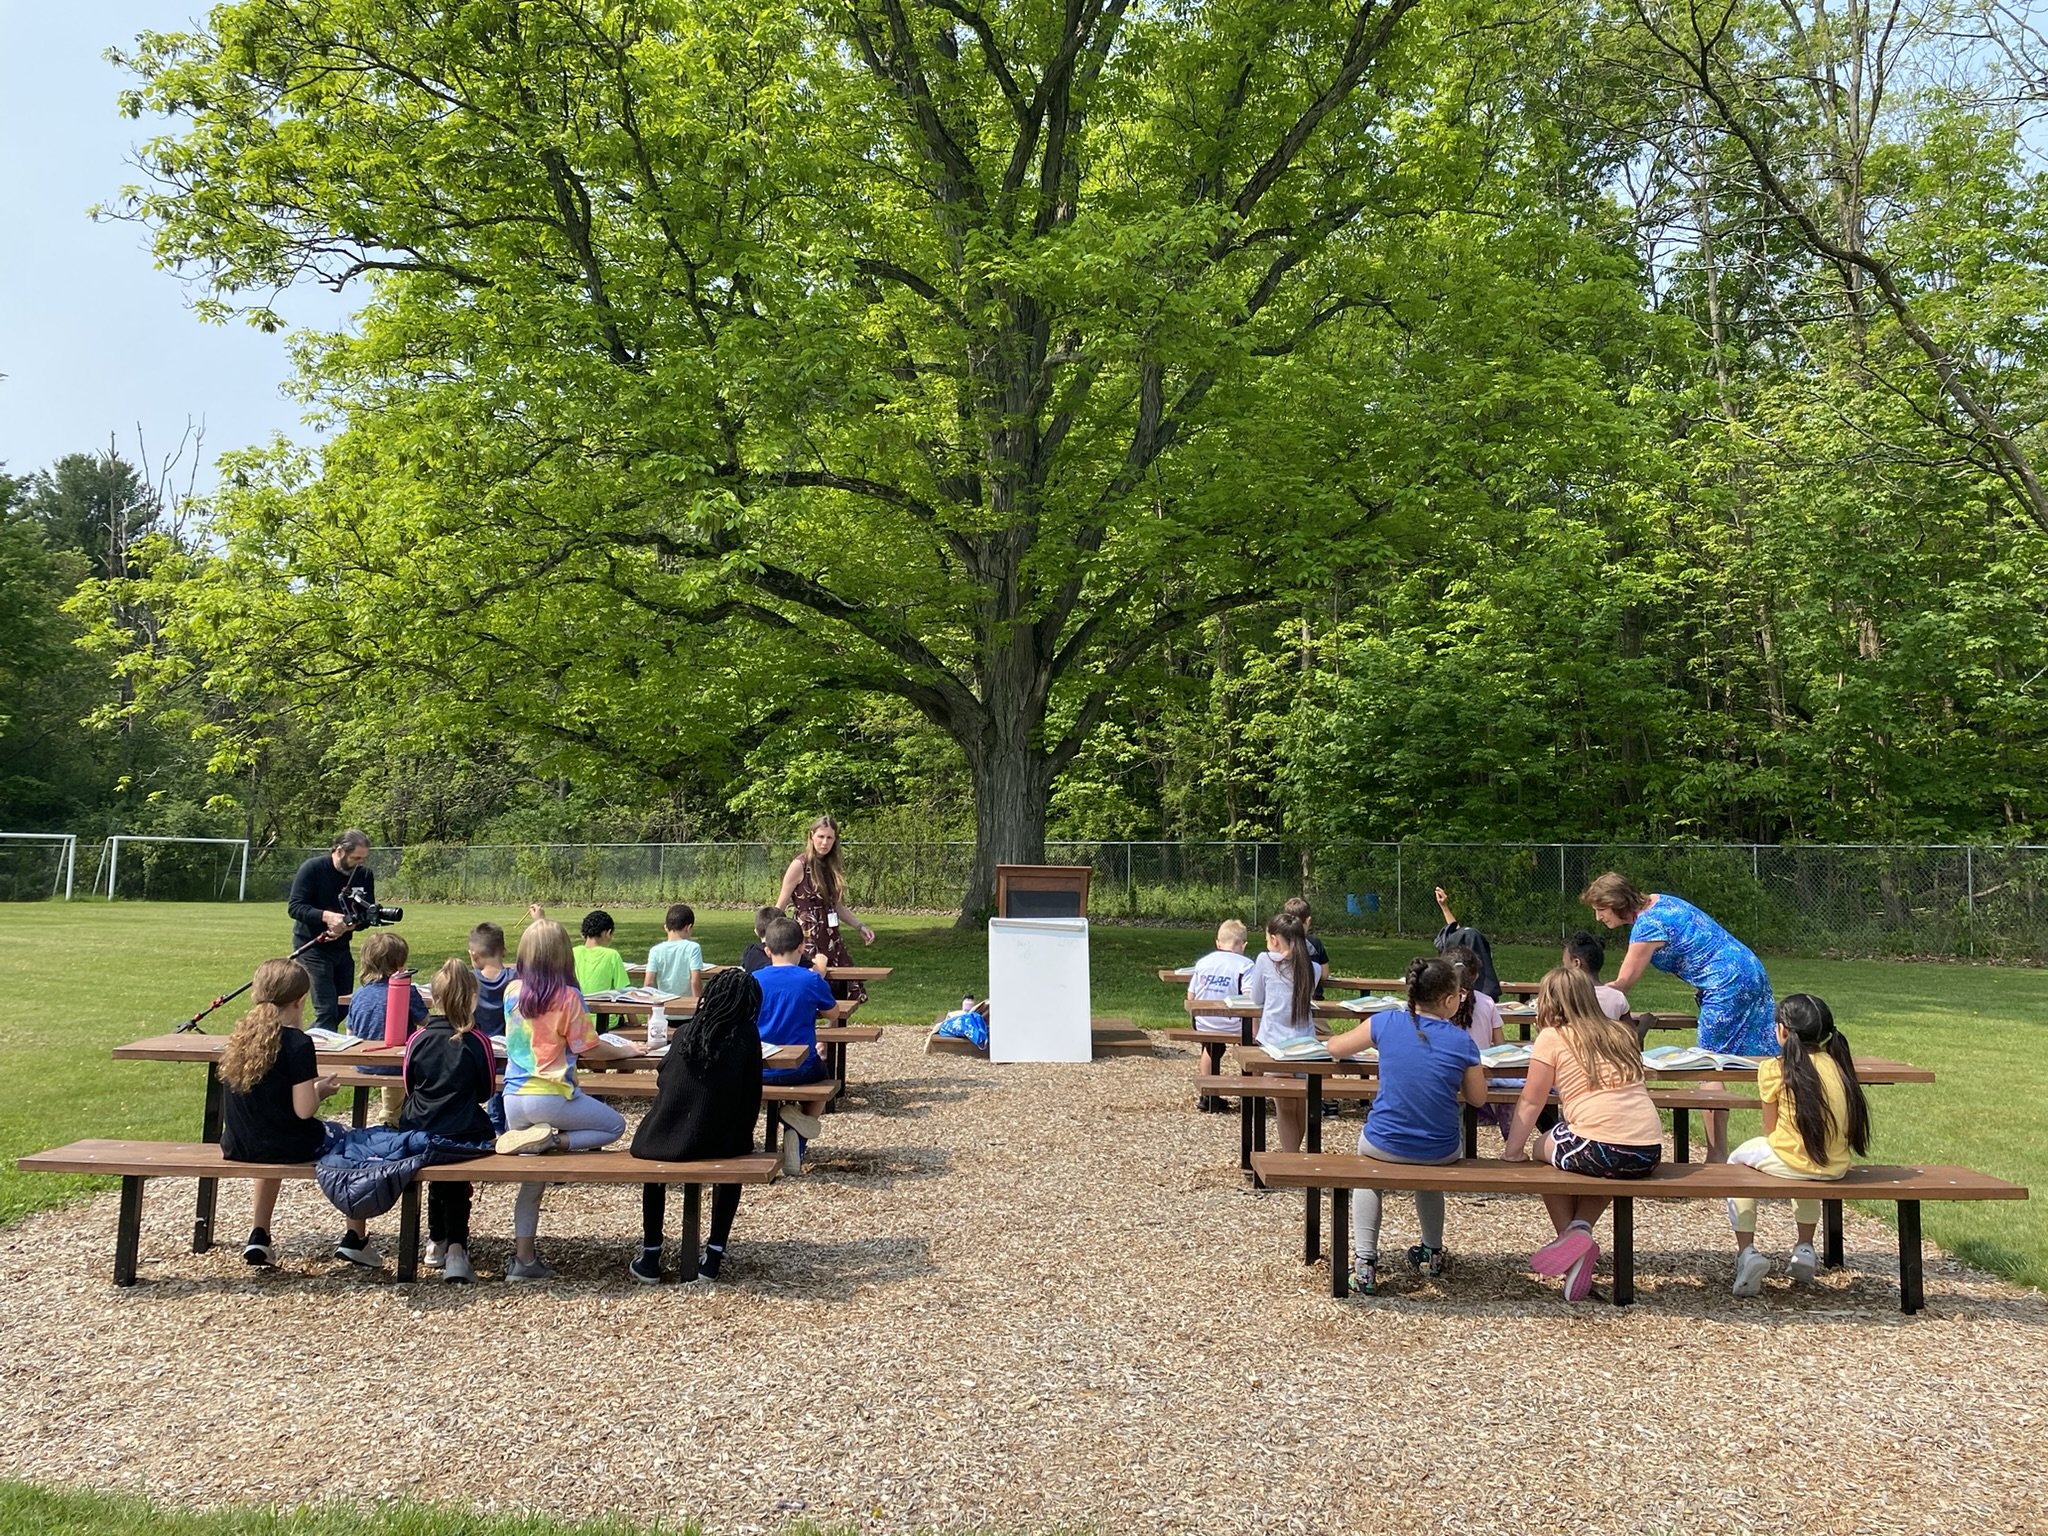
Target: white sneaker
[(528, 1138), (1804, 1263), (520, 1271), (437, 1255), (806, 1126), (1750, 1270), (457, 1270), (363, 1252)]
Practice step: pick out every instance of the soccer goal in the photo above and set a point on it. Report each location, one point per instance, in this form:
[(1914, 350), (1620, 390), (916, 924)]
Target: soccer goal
[(37, 864), (173, 868)]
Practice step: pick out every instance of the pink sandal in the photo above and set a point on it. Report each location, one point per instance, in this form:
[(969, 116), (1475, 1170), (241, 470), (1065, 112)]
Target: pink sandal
[(1561, 1253)]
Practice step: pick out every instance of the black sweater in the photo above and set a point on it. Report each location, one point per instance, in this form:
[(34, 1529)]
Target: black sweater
[(317, 888)]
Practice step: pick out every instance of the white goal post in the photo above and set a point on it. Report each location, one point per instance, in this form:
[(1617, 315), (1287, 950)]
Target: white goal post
[(110, 858), (66, 846)]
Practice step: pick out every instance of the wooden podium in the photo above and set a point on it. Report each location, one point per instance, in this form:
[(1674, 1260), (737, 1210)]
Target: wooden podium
[(1042, 890)]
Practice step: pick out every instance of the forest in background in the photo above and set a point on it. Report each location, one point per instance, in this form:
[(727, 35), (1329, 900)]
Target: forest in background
[(1450, 421)]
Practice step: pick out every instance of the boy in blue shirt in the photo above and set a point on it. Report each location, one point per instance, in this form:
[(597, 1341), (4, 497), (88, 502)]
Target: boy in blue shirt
[(677, 963), (792, 997)]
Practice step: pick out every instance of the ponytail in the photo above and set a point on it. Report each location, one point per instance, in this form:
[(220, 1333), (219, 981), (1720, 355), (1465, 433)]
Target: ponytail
[(252, 1049), (1429, 978), (1809, 1027), (1287, 928)]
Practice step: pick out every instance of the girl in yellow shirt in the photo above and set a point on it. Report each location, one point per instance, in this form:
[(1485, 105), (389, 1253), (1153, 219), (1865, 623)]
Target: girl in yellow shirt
[(1815, 1118)]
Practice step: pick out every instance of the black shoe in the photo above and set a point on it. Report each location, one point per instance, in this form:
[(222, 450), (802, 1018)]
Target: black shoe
[(357, 1250), (646, 1266), (258, 1249), (708, 1266)]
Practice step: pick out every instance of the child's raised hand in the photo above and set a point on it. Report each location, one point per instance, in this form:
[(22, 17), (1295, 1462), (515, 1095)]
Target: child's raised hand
[(535, 911), (1442, 896)]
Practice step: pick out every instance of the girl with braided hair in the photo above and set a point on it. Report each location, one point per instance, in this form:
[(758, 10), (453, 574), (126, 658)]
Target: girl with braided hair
[(1815, 1121), (1428, 1068), (707, 1098)]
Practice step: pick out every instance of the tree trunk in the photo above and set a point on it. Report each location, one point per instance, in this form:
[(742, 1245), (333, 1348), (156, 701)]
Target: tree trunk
[(1011, 782)]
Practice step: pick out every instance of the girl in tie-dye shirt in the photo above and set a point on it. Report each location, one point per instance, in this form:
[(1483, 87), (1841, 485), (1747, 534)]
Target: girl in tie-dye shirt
[(546, 1030)]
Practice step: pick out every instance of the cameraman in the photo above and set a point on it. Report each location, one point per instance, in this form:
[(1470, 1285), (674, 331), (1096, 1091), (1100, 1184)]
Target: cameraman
[(317, 907)]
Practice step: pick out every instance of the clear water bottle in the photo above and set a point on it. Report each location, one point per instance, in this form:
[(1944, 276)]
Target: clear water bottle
[(657, 1027)]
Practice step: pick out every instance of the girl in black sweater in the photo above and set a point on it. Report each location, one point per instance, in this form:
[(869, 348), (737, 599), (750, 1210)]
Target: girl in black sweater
[(449, 1075), (707, 1098)]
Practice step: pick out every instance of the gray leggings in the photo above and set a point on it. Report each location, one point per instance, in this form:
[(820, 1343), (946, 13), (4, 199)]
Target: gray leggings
[(1365, 1205), (585, 1124)]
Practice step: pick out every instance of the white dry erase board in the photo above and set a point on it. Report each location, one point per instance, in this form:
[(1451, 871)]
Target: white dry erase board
[(1038, 989)]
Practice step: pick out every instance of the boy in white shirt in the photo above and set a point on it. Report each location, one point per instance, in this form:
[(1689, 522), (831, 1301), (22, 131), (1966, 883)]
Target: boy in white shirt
[(1219, 974), (677, 964)]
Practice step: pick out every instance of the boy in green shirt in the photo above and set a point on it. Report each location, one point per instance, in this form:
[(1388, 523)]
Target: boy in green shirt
[(599, 967)]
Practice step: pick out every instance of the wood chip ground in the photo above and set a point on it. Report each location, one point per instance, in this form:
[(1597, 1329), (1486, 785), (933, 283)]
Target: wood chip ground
[(1028, 1298)]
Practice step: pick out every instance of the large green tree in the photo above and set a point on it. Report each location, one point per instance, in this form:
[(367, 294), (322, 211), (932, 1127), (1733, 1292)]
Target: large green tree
[(712, 353)]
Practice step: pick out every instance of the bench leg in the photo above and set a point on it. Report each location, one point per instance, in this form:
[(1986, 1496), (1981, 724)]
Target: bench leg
[(1624, 1251), (1340, 1243), (1471, 1116), (128, 1231), (359, 1108), (209, 1189), (771, 1124), (1311, 1210), (1681, 1135), (693, 1221), (1912, 1297), (835, 1063), (1244, 1130), (409, 1233), (1258, 1135), (1831, 1230)]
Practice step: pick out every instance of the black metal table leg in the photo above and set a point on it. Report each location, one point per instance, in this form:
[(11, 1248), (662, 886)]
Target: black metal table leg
[(1912, 1296), (1831, 1229), (1311, 1212), (1624, 1251), (128, 1231), (359, 1107), (1681, 1135), (409, 1233), (1340, 1243), (693, 1221), (210, 1120), (1471, 1131)]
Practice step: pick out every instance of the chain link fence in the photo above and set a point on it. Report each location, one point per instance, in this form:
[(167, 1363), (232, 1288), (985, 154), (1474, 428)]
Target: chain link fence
[(1988, 902)]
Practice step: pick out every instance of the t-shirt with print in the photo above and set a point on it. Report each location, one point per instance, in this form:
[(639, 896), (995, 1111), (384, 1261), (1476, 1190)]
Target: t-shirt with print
[(1416, 1112), (1219, 974), (600, 970), (262, 1125), (540, 1054), (1270, 984), (670, 963), (1784, 1136), (1618, 1113), (792, 997)]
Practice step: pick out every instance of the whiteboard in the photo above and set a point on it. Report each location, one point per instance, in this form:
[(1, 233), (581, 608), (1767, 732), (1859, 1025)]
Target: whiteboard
[(1038, 989)]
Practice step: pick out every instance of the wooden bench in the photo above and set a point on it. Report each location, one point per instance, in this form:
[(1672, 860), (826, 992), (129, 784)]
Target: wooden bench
[(135, 1162), (1907, 1187)]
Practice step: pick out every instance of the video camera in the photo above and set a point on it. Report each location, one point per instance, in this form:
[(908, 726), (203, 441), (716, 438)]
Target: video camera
[(362, 912)]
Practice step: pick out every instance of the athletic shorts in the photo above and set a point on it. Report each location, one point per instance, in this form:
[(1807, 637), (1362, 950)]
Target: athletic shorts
[(1574, 1153)]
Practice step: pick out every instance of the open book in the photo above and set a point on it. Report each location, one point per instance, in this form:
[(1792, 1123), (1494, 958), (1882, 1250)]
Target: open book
[(1690, 1058), (643, 995), (331, 1039), (1300, 1050), (1184, 970), (1495, 1057), (1372, 1002)]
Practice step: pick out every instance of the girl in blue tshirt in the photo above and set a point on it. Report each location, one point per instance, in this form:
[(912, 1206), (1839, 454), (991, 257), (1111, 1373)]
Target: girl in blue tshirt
[(1428, 1068)]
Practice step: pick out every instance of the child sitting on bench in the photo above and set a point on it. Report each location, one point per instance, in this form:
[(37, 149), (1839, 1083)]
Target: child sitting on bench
[(270, 1113), (449, 1077), (792, 997), (1219, 974), (706, 1100)]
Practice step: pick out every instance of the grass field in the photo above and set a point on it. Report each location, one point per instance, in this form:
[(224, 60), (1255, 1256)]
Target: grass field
[(78, 979)]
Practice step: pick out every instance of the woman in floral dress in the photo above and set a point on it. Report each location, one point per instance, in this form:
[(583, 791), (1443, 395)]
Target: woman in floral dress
[(814, 884)]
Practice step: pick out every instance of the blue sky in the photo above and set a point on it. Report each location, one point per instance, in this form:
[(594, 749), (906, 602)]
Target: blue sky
[(93, 337)]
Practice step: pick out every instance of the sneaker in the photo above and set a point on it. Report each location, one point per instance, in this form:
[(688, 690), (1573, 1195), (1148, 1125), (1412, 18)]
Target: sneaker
[(528, 1138), (357, 1250), (1557, 1256), (1434, 1263), (258, 1249), (806, 1126), (523, 1270), (456, 1268), (437, 1255), (713, 1261), (1750, 1269), (1804, 1263), (646, 1266), (1365, 1276), (1578, 1280)]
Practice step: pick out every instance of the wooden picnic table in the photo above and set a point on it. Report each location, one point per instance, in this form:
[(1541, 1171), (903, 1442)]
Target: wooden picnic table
[(1525, 1017), (832, 972), (192, 1046), (1400, 984)]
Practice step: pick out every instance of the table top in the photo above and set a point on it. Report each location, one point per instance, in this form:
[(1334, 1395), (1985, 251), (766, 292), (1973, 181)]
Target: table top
[(1869, 1069), (197, 1047), (832, 972)]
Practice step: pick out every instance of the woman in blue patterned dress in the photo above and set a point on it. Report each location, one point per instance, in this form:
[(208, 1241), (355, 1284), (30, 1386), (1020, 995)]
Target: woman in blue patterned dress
[(1737, 1012)]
